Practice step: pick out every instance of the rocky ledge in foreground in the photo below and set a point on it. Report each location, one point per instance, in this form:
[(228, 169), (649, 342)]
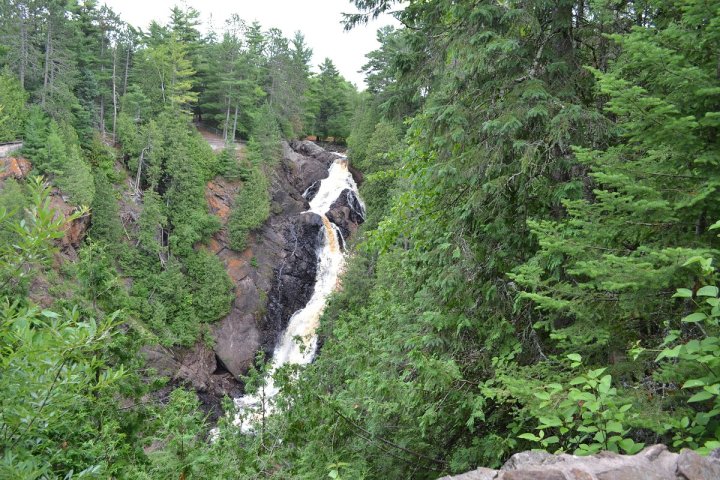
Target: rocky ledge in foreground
[(653, 463)]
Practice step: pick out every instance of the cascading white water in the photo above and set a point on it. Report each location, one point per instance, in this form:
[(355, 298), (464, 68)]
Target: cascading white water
[(299, 341)]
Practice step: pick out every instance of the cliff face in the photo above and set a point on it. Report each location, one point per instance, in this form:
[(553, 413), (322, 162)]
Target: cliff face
[(273, 277)]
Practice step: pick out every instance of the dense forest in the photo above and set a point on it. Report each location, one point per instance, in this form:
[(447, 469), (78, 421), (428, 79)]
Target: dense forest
[(536, 270)]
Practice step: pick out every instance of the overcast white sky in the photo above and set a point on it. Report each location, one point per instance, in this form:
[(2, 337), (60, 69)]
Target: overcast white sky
[(319, 20)]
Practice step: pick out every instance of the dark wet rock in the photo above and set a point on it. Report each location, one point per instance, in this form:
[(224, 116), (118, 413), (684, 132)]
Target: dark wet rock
[(294, 277), (347, 213), (311, 191), (653, 463)]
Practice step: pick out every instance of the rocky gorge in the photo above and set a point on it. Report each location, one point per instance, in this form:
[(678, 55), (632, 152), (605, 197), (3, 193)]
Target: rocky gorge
[(273, 278)]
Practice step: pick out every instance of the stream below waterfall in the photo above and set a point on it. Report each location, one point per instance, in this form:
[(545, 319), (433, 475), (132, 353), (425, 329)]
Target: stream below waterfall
[(298, 343)]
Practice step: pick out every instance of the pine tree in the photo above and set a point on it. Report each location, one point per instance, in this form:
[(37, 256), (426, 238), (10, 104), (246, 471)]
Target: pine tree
[(12, 107), (105, 221), (332, 93)]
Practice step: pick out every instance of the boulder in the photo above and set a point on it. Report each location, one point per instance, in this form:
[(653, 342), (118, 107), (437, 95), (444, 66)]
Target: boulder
[(237, 338), (653, 463), (347, 213)]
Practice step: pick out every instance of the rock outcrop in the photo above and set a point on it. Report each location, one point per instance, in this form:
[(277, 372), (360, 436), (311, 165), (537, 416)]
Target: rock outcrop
[(347, 212), (653, 463), (75, 230), (14, 167), (18, 168)]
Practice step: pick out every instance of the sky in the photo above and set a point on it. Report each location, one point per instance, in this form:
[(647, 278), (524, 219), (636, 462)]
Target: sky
[(318, 20)]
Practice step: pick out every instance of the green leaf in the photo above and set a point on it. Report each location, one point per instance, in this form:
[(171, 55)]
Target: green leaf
[(695, 259), (683, 293), (629, 446), (696, 382), (574, 357), (669, 353), (548, 422), (529, 436), (708, 291), (694, 317), (700, 397), (615, 427)]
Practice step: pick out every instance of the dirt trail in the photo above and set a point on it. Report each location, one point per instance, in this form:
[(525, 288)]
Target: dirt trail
[(216, 140)]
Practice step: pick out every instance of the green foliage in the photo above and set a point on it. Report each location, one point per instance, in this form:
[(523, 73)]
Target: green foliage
[(12, 107), (689, 358), (212, 290), (361, 129), (105, 220), (184, 453), (35, 135), (585, 418), (34, 233), (547, 194), (13, 200), (152, 224), (58, 390), (250, 209), (75, 178), (98, 279), (264, 146), (333, 96), (534, 187), (228, 164), (383, 141)]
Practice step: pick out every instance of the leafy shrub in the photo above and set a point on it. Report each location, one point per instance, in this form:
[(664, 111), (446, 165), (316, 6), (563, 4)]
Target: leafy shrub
[(585, 417)]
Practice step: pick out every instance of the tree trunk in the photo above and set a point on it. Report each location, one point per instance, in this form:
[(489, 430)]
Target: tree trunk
[(46, 78), (235, 123), (139, 172), (227, 118), (114, 94), (102, 76), (127, 67), (23, 47)]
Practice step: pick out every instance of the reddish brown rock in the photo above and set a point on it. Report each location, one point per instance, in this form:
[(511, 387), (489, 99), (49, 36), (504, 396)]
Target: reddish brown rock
[(16, 168), (74, 230)]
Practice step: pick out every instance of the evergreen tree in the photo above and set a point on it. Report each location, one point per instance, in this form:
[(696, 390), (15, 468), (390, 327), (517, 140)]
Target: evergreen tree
[(333, 115), (12, 107), (250, 209), (35, 134), (105, 221)]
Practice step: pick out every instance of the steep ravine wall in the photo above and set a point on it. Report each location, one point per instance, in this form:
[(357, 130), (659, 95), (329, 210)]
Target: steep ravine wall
[(273, 277)]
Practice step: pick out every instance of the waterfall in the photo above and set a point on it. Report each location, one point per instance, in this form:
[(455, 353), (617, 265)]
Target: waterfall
[(298, 343)]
